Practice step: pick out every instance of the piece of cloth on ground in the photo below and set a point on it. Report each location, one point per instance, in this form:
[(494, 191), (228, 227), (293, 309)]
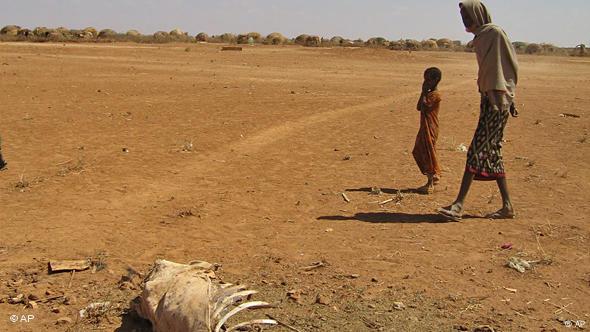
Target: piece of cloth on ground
[(484, 157), (425, 147)]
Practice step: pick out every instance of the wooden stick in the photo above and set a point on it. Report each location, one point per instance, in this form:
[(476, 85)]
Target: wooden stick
[(314, 266), (283, 324), (563, 308), (345, 198), (51, 298), (386, 201), (65, 162), (71, 279)]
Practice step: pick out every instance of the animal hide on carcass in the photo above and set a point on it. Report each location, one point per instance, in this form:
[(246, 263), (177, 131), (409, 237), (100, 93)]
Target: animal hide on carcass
[(190, 298)]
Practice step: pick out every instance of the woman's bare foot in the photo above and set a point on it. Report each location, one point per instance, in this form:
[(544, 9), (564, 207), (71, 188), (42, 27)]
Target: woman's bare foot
[(503, 213), (453, 212)]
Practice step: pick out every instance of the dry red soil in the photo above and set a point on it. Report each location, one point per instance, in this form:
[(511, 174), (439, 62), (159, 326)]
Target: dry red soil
[(95, 137)]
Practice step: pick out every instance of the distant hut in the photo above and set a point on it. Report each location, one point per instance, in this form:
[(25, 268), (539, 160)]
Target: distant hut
[(202, 37), (55, 36), (41, 32), (301, 39), (26, 33), (10, 30), (412, 45), (161, 36), (429, 44), (177, 33), (336, 40), (377, 42), (229, 38), (275, 38), (90, 31), (397, 45), (133, 33), (444, 43), (257, 37), (313, 41), (582, 49)]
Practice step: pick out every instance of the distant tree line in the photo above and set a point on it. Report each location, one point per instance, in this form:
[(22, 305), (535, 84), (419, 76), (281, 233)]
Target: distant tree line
[(90, 34)]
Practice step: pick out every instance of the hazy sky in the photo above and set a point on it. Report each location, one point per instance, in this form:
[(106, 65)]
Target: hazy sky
[(565, 23)]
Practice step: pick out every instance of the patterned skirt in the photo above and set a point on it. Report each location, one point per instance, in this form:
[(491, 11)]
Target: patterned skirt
[(484, 157)]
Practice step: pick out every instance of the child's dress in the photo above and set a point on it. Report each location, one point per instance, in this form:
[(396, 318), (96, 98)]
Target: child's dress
[(425, 147)]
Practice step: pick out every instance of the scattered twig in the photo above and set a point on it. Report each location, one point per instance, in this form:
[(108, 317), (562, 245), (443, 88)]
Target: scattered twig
[(569, 115), (71, 279), (345, 198), (51, 298), (283, 324), (386, 201), (65, 162), (313, 266), (562, 309), (518, 313)]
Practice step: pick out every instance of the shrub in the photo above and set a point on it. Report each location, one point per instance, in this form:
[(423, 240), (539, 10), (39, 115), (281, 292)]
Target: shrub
[(107, 34), (202, 37), (55, 36), (377, 42), (519, 47), (533, 49), (161, 37), (228, 38), (412, 45), (275, 38), (396, 45), (580, 50)]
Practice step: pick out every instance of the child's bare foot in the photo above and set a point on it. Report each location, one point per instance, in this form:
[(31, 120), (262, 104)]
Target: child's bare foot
[(453, 212), (435, 180), (426, 189), (503, 213)]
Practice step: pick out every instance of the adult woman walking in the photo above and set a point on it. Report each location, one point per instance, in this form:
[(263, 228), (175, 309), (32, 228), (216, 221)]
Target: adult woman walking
[(497, 79)]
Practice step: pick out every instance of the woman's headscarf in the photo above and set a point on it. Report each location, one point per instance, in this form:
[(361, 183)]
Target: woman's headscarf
[(498, 67)]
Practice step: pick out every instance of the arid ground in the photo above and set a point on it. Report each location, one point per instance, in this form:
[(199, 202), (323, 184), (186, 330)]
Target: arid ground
[(125, 154)]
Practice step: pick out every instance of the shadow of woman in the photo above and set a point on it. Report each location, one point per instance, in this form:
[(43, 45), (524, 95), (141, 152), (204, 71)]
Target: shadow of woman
[(391, 217), (392, 191)]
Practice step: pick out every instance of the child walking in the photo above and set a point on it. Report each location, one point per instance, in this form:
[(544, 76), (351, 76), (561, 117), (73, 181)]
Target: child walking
[(425, 147)]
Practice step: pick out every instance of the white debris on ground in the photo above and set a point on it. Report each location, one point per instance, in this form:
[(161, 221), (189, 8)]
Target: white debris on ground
[(519, 264)]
